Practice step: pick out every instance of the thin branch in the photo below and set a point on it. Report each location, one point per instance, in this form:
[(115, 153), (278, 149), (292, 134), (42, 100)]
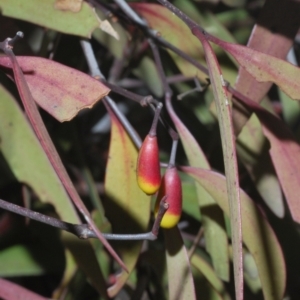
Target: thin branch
[(162, 42), (167, 89), (130, 83), (128, 94), (91, 60), (122, 118), (83, 231), (148, 100), (173, 153), (96, 73), (153, 34), (168, 95), (196, 241), (153, 128), (198, 88), (182, 54), (162, 75), (130, 13), (163, 207)]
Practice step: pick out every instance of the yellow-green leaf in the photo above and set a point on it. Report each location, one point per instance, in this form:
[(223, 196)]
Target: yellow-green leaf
[(45, 14), (30, 165), (181, 285), (127, 207), (258, 235)]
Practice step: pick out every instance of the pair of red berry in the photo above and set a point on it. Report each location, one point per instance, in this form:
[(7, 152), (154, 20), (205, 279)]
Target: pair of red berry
[(149, 180)]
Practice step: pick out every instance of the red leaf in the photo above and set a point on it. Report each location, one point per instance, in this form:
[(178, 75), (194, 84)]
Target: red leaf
[(284, 152), (265, 68), (60, 90), (267, 40), (13, 291)]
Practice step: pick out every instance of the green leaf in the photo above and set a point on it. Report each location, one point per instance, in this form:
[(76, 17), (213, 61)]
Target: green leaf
[(258, 235), (27, 159), (147, 71), (172, 29), (43, 13), (32, 257), (252, 148), (207, 20), (212, 216), (31, 166), (230, 160), (181, 285), (290, 109), (160, 19), (206, 269), (69, 272), (128, 209), (60, 90), (190, 204), (251, 273), (234, 3), (284, 152), (43, 136), (86, 259), (22, 260)]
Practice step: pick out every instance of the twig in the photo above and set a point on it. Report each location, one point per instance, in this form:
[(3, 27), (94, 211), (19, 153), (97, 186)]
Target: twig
[(153, 34), (168, 93), (128, 94), (195, 242), (163, 206), (162, 42), (130, 12), (91, 60), (167, 89), (96, 73), (148, 100), (83, 231), (153, 128), (198, 88), (130, 130)]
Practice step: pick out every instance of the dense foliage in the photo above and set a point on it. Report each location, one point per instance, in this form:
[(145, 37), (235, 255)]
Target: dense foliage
[(227, 75)]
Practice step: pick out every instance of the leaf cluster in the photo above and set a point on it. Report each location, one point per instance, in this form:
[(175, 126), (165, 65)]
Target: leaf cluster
[(77, 99)]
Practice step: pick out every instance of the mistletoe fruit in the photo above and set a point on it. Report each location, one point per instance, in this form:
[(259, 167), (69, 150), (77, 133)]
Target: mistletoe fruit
[(148, 168), (170, 187)]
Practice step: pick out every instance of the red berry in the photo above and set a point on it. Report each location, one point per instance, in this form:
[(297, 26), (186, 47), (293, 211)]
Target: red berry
[(170, 187), (148, 167)]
